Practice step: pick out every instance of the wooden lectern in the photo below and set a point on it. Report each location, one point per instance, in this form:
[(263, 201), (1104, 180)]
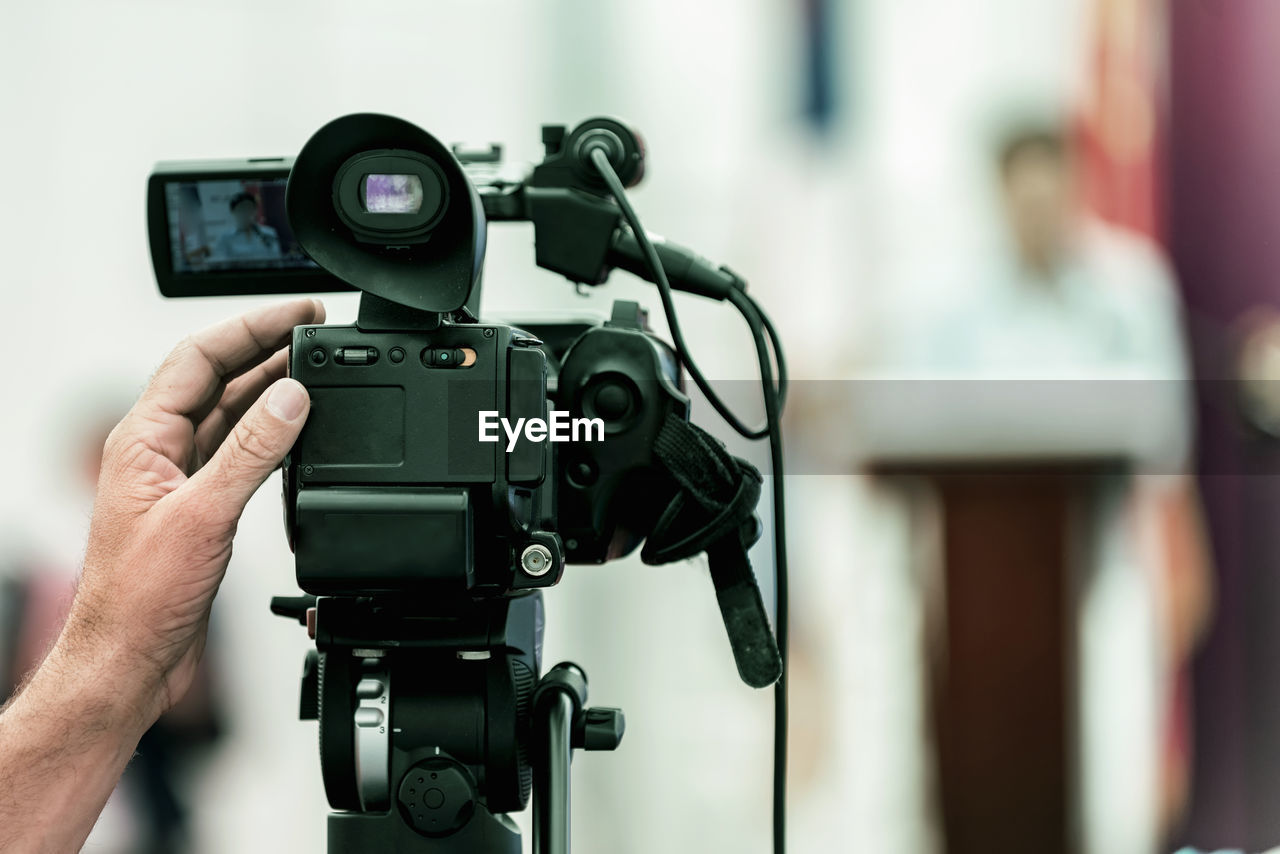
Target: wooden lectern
[(1003, 684), (1018, 484)]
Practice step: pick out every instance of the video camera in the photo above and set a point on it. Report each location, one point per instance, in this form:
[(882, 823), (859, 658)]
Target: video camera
[(451, 466)]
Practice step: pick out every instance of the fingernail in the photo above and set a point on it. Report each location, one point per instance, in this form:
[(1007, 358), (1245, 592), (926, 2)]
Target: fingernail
[(287, 399)]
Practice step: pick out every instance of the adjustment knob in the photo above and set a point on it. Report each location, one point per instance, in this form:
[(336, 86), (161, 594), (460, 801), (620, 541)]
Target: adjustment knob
[(599, 728), (553, 138), (437, 796), (613, 401)]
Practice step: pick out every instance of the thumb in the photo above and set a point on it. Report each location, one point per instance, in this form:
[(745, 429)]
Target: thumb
[(253, 449)]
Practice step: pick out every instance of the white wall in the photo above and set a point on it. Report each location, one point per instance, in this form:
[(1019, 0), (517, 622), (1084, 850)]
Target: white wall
[(94, 92)]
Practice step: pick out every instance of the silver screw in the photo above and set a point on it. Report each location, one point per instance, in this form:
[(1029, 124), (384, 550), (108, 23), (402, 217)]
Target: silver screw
[(536, 560)]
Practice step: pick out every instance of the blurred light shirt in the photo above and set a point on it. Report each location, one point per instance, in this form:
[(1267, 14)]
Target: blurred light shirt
[(1110, 304), (1108, 318), (260, 241)]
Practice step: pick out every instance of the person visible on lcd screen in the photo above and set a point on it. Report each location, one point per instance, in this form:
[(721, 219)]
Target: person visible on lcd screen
[(248, 239)]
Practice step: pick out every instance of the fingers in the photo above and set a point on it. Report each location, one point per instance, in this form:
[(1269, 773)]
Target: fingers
[(239, 395), (194, 372), (252, 450)]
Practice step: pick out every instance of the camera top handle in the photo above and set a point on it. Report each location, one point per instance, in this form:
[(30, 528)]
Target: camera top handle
[(579, 230)]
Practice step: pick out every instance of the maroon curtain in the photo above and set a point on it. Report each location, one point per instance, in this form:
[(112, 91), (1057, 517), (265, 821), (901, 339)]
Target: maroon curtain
[(1223, 147)]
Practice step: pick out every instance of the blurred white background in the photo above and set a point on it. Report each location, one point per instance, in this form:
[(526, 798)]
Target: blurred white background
[(829, 225)]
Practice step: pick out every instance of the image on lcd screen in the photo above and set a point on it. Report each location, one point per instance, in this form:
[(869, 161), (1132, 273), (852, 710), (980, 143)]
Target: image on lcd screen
[(231, 226)]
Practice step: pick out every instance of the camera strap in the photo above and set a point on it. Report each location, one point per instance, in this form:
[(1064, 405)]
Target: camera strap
[(713, 511)]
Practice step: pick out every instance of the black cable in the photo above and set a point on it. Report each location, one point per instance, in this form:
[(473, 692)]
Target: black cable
[(768, 353), (775, 346), (777, 352), (761, 326), (601, 161)]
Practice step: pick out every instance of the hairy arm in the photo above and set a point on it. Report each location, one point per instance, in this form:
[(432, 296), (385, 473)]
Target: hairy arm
[(65, 740), (215, 421)]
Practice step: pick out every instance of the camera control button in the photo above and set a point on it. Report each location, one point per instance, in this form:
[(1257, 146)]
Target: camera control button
[(367, 716), (355, 355), (368, 689)]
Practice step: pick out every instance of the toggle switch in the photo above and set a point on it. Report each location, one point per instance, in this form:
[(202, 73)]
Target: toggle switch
[(447, 357)]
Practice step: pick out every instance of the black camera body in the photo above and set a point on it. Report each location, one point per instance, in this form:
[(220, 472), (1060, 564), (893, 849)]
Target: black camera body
[(388, 489)]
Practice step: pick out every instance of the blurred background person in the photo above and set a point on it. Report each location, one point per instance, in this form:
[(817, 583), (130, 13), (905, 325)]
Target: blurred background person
[(1072, 307), (1066, 294)]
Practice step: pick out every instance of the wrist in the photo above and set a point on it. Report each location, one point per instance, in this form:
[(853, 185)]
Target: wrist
[(115, 678), (66, 738)]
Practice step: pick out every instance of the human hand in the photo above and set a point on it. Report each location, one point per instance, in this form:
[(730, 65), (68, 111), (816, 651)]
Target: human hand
[(214, 422)]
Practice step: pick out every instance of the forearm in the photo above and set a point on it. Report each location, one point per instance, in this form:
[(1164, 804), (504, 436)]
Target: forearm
[(66, 739), (158, 547)]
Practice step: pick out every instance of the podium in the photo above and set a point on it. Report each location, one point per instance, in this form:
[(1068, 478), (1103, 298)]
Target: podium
[(1003, 684), (1022, 481)]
